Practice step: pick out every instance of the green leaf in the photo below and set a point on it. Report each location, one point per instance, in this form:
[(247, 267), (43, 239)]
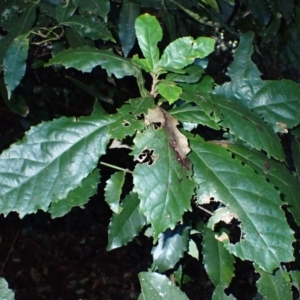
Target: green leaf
[(194, 73), (51, 160), (205, 102), (129, 118), (219, 294), (218, 262), (166, 169), (125, 226), (193, 249), (242, 89), (98, 7), (65, 10), (21, 26), (7, 294), (295, 276), (278, 102), (85, 59), (77, 197), (243, 66), (149, 33), (170, 248), (194, 114), (141, 62), (89, 27), (169, 90), (158, 287), (277, 174), (129, 12), (213, 4), (14, 63), (274, 286), (113, 191), (205, 85), (249, 127), (183, 51), (275, 101), (253, 201)]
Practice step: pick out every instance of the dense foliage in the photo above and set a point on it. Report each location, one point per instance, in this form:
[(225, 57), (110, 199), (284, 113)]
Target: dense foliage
[(212, 158)]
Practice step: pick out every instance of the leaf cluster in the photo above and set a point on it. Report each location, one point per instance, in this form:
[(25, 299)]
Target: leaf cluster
[(209, 160)]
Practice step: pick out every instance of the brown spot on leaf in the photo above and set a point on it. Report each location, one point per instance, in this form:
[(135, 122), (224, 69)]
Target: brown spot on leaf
[(177, 141)]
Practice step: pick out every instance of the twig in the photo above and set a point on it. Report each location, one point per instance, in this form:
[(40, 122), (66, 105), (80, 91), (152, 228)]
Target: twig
[(9, 252), (115, 167)]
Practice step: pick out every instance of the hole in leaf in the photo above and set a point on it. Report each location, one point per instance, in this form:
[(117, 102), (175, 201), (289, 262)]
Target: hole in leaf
[(147, 157), (126, 124)]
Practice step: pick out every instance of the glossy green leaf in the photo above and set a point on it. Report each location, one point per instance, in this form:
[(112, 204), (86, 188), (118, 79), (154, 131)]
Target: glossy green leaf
[(22, 26), (183, 51), (89, 27), (277, 174), (219, 294), (158, 287), (194, 114), (278, 102), (50, 161), (149, 33), (205, 85), (204, 101), (168, 191), (130, 119), (249, 127), (266, 236), (243, 66), (86, 58), (125, 226), (113, 191), (65, 10), (14, 63), (274, 286), (218, 262), (169, 90), (170, 247), (243, 89), (194, 73), (129, 12), (77, 197), (98, 7), (7, 294), (141, 62)]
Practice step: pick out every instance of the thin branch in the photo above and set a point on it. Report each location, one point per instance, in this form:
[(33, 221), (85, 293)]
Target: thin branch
[(9, 252), (115, 167), (204, 209)]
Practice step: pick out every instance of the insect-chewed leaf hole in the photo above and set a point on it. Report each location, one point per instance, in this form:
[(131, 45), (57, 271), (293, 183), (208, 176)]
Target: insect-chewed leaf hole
[(147, 157)]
